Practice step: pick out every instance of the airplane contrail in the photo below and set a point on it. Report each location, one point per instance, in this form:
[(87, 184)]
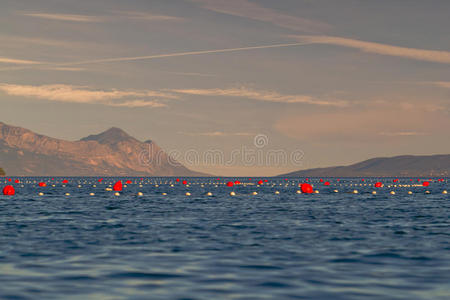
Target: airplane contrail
[(176, 54)]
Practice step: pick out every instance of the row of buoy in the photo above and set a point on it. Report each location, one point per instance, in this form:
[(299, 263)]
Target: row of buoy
[(7, 191)]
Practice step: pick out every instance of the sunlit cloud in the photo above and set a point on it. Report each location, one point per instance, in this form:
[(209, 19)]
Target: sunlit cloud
[(77, 94), (378, 48), (402, 133), (15, 61), (367, 124), (138, 103), (443, 84), (217, 134), (251, 10), (143, 16), (129, 15), (262, 95), (65, 17)]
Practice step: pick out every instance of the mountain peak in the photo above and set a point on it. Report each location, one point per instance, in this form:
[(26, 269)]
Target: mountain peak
[(111, 136)]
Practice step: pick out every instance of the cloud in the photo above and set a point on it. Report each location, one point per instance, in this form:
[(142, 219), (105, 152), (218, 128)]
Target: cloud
[(443, 84), (217, 134), (267, 96), (138, 103), (402, 133), (15, 61), (375, 122), (250, 10), (383, 49), (129, 15), (143, 16), (77, 94), (65, 17)]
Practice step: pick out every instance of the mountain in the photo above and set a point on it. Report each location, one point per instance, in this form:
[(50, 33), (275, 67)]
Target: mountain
[(111, 153), (398, 166), (2, 172)]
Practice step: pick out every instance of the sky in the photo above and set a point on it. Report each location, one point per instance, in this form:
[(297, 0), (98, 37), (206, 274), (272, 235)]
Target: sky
[(268, 87)]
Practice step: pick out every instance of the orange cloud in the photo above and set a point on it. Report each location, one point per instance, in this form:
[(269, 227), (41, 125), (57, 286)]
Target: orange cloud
[(383, 49)]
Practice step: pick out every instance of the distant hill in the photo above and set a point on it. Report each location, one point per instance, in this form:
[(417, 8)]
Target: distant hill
[(110, 153), (398, 166), (2, 172)]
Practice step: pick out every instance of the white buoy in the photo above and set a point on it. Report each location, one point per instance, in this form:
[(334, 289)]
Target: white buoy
[(67, 194), (392, 193), (164, 194), (140, 194), (208, 194), (355, 191), (299, 192), (232, 194), (108, 189), (116, 194), (91, 194), (336, 191), (444, 192), (427, 192), (316, 192), (41, 194), (410, 193), (188, 194), (277, 192), (374, 192)]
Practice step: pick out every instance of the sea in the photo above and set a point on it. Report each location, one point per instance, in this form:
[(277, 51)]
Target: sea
[(80, 240)]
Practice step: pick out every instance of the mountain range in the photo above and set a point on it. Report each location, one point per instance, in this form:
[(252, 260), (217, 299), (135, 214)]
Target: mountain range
[(398, 166), (110, 153)]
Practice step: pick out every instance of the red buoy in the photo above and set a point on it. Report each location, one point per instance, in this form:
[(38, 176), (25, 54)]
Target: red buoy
[(100, 180), (17, 181), (425, 183), (128, 182), (9, 190), (306, 188), (65, 181), (177, 180), (237, 182), (260, 182), (326, 183), (184, 182), (42, 184), (118, 186), (230, 183), (378, 184)]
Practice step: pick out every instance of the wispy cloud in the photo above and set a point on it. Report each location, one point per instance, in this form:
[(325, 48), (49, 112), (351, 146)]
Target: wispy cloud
[(251, 10), (261, 95), (139, 103), (129, 15), (144, 16), (65, 17), (402, 133), (77, 94), (382, 121), (15, 61), (383, 49), (443, 84), (217, 134)]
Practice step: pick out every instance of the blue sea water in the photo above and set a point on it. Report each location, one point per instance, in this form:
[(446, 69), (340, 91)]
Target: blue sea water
[(265, 246)]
